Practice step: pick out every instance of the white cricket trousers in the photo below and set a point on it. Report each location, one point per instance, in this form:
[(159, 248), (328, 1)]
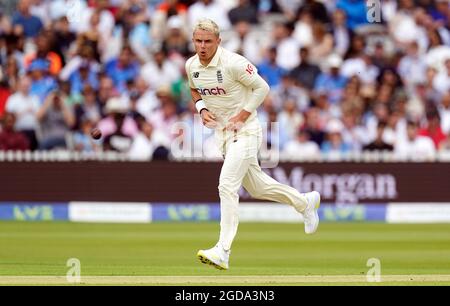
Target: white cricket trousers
[(241, 168)]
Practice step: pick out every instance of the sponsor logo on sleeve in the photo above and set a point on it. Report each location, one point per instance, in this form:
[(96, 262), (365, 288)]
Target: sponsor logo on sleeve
[(250, 69)]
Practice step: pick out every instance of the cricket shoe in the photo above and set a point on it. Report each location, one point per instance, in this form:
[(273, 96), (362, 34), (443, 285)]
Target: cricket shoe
[(310, 215), (216, 257)]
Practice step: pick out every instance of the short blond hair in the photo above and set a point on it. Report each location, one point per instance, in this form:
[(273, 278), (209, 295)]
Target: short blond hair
[(207, 25)]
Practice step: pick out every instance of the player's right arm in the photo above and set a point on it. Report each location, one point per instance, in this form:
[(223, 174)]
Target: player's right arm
[(208, 118)]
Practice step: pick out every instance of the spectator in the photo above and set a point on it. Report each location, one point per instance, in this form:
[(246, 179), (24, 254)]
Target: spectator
[(422, 92), (165, 10), (96, 19), (317, 9), (85, 54), (10, 139), (208, 9), (303, 29), (85, 75), (356, 12), (412, 67), (64, 36), (353, 99), (4, 95), (362, 67), (176, 43), (441, 82), (342, 36), (441, 12), (89, 109), (117, 121), (388, 9), (66, 8), (12, 54), (433, 129), (135, 28), (404, 28), (56, 120), (12, 73), (244, 11), (118, 128), (357, 46), (45, 45), (353, 132), (146, 142), (415, 147), (287, 46), (82, 139), (71, 99), (289, 8), (25, 107), (42, 83), (5, 22), (396, 128), (325, 108), (246, 42), (301, 147), (165, 118), (287, 90), (160, 72), (444, 113), (378, 144), (269, 70), (182, 91), (290, 119), (122, 69), (322, 43), (334, 145), (379, 56), (332, 82), (314, 127), (266, 108), (306, 73), (106, 91), (30, 24), (390, 77), (274, 137)]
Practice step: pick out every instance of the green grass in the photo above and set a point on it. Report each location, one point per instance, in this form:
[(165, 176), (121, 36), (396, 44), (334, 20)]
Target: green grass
[(168, 249)]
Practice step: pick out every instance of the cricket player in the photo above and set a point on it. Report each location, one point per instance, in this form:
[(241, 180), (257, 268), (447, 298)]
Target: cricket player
[(227, 90)]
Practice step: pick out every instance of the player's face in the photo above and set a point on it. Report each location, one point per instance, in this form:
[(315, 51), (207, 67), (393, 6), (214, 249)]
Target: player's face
[(206, 44)]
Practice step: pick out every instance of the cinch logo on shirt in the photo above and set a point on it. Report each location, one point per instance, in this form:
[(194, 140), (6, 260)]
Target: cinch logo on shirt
[(211, 92)]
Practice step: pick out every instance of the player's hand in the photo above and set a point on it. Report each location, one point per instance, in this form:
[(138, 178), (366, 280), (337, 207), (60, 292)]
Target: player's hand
[(208, 119), (237, 122)]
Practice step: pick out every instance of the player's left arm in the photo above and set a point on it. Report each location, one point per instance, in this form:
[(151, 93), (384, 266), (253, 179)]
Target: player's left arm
[(247, 74)]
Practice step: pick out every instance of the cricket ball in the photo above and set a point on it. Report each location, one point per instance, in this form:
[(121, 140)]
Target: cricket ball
[(96, 133)]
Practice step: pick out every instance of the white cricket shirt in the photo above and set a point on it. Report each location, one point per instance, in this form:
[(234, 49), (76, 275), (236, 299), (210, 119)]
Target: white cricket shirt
[(224, 85)]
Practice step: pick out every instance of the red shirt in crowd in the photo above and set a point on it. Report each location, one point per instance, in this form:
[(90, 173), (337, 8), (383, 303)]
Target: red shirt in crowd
[(4, 95), (14, 141), (436, 135), (179, 7)]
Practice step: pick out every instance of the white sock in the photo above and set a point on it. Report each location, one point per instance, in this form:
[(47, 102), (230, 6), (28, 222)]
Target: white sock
[(229, 222)]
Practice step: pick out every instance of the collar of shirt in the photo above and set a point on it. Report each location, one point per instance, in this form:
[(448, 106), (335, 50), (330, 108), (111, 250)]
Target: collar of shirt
[(215, 60)]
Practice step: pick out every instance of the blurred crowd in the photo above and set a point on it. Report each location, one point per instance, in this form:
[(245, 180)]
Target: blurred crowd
[(340, 81)]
